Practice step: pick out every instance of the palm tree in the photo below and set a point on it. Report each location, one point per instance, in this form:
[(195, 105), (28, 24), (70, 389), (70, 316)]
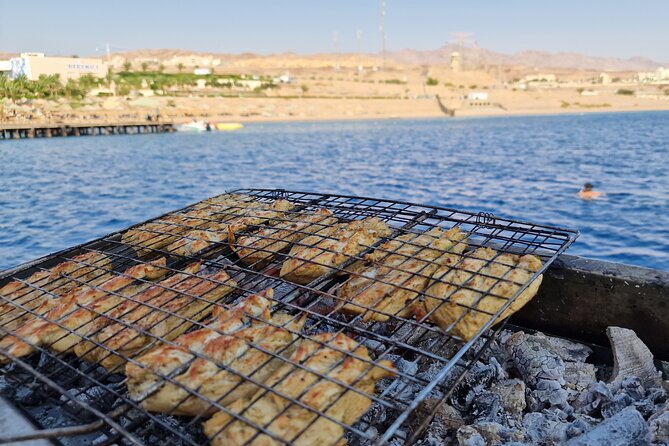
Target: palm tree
[(145, 66), (161, 68), (180, 67), (126, 66)]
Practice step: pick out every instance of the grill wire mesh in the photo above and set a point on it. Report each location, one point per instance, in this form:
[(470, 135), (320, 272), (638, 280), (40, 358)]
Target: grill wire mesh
[(146, 336)]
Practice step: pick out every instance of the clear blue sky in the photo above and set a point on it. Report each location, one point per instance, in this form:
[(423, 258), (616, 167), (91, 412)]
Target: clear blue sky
[(595, 27)]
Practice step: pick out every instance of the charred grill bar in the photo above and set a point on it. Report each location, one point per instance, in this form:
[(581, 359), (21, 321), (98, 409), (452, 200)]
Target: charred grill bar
[(264, 316)]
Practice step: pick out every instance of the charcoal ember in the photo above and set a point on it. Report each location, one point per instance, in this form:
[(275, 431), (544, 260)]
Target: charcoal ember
[(468, 436), (486, 406), (541, 369), (545, 427), (480, 377), (631, 357), (633, 387), (495, 433), (493, 350), (512, 395), (658, 424), (579, 377), (625, 428), (97, 397), (657, 395), (645, 407), (29, 394), (598, 395), (377, 414), (400, 389), (580, 425), (442, 427), (618, 403)]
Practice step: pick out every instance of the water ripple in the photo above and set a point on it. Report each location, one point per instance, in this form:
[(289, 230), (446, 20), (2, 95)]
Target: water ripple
[(60, 192)]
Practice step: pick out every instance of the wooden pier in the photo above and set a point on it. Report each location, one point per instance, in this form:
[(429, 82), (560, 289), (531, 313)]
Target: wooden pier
[(29, 130)]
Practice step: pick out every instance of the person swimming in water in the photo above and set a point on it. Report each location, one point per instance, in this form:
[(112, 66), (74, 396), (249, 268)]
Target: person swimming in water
[(587, 193)]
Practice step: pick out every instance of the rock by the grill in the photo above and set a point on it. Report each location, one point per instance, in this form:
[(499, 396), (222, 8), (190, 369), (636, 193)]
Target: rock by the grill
[(631, 357), (626, 428)]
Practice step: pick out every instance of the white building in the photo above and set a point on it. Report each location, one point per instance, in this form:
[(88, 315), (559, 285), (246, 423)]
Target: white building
[(477, 96), (33, 65)]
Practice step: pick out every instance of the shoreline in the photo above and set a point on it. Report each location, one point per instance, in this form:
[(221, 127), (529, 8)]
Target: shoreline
[(117, 111)]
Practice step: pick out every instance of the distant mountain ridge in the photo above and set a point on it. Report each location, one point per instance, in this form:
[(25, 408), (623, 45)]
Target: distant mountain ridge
[(530, 58), (471, 56)]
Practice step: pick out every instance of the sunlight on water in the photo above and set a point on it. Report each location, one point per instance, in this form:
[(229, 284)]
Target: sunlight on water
[(60, 192)]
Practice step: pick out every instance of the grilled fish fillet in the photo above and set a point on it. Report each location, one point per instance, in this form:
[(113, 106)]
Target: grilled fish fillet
[(260, 248), (291, 422), (396, 271), (255, 213), (164, 231), (157, 234), (61, 327), (159, 313), (329, 248), (232, 362), (462, 287), (165, 359), (19, 299)]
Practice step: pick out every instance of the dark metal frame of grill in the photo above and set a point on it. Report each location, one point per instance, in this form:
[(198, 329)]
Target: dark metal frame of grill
[(52, 374)]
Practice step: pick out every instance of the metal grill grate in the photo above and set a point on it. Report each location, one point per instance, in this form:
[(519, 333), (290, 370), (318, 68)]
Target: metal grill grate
[(264, 315)]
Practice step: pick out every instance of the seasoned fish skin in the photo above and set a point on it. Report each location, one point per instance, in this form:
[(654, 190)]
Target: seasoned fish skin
[(63, 322), (164, 359), (91, 267), (482, 271), (323, 395), (396, 272), (160, 233), (164, 315), (259, 249), (328, 249), (194, 241)]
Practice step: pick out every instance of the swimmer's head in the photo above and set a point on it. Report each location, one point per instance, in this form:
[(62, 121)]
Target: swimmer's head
[(587, 186)]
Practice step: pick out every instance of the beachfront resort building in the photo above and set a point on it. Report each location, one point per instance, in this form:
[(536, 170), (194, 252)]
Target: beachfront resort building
[(33, 65)]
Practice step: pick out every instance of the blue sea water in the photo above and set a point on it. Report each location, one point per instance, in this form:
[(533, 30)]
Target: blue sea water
[(58, 192)]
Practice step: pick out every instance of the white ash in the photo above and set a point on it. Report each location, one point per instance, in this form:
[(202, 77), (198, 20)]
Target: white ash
[(532, 389)]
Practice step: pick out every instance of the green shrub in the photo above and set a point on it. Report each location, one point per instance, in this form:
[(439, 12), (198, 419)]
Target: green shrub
[(625, 92), (432, 81)]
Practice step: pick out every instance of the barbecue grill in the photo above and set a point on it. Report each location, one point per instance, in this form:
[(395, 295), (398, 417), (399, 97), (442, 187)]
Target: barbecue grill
[(79, 394)]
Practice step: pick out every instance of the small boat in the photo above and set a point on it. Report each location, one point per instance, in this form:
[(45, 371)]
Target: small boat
[(229, 126), (194, 126)]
